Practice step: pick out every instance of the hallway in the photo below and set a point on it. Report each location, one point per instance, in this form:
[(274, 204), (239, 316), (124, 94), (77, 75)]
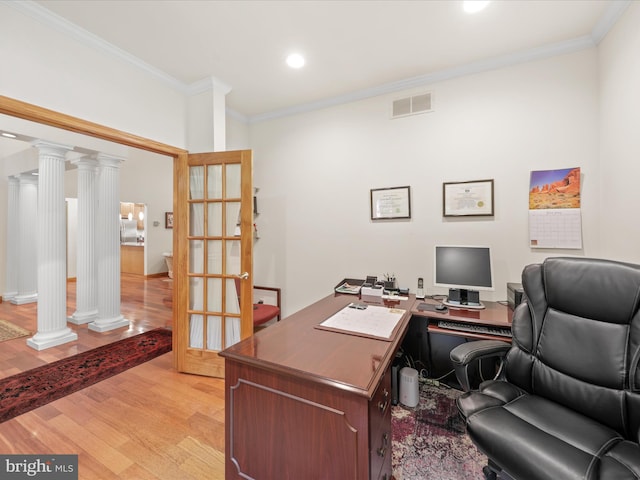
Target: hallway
[(145, 302)]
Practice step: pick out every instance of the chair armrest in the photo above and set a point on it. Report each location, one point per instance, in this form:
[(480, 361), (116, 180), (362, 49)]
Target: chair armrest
[(471, 352), (271, 289)]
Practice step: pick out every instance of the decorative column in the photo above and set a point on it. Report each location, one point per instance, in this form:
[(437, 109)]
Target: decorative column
[(27, 238), (220, 91), (108, 246), (52, 250), (206, 112), (13, 241), (86, 280)]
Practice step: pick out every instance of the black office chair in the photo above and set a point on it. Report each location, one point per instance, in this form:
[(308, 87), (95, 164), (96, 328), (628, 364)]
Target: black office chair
[(566, 404)]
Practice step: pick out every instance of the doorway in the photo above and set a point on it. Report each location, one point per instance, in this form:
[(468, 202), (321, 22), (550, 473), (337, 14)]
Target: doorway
[(133, 257), (180, 210)]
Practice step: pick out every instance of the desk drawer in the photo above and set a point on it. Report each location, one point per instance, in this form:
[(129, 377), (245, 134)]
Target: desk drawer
[(380, 428)]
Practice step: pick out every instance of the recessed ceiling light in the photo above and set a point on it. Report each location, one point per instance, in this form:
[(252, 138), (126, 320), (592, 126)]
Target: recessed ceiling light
[(295, 60), (8, 135), (474, 6)]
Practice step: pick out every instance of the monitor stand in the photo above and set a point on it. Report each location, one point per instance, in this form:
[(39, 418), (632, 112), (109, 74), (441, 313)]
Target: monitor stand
[(463, 298), (470, 306)]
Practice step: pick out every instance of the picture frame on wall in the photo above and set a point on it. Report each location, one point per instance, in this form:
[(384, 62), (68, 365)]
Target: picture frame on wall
[(390, 203), (467, 199), (168, 219)]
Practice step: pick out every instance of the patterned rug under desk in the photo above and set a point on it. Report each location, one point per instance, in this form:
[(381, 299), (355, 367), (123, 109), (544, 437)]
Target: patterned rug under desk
[(429, 441)]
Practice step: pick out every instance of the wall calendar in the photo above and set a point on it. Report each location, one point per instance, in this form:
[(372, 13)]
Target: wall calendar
[(555, 219)]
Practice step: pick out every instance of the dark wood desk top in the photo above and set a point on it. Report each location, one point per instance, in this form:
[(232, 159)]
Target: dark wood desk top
[(296, 348), (494, 314)]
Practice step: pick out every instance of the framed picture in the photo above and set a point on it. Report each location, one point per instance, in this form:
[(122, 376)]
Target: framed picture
[(388, 203), (168, 219), (463, 199)]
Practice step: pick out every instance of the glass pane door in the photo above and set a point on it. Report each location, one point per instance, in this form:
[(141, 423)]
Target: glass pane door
[(215, 255), (218, 259)]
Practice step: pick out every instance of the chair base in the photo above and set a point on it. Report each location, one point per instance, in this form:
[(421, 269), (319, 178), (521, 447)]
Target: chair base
[(494, 472), (489, 474)]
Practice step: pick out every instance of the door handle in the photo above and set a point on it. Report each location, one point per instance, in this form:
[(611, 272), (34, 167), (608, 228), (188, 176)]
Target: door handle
[(243, 275)]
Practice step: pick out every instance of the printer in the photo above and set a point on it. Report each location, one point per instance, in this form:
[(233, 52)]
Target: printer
[(515, 294)]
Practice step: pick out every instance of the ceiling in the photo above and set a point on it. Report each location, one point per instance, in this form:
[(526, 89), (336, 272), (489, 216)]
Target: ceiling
[(353, 49)]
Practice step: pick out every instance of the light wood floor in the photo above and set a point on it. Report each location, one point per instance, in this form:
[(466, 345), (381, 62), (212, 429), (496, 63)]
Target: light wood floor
[(149, 422)]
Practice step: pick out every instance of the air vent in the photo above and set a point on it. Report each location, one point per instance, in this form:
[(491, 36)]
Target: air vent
[(414, 105)]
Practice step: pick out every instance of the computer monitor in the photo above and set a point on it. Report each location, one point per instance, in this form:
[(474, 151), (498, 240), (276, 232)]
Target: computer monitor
[(464, 270)]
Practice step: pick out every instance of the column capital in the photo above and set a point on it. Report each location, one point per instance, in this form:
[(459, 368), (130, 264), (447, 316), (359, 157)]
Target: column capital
[(89, 162), (27, 178), (50, 148), (209, 84), (112, 161), (219, 86)]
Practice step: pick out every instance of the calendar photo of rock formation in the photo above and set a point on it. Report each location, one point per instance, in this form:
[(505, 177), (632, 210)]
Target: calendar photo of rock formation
[(554, 189)]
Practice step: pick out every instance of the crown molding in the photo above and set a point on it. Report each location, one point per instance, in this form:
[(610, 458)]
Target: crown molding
[(609, 19), (50, 19), (207, 84), (600, 30), (494, 63)]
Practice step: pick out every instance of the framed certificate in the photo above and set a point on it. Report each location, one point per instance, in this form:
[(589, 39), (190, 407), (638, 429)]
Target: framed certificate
[(461, 199), (387, 203)]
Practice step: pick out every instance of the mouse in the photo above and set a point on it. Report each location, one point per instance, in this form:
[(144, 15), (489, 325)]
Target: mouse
[(440, 307)]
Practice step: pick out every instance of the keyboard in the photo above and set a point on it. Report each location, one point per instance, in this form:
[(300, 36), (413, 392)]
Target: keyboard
[(473, 328)]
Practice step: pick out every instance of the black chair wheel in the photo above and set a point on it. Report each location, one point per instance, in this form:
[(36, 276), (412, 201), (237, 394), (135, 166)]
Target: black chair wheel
[(489, 474)]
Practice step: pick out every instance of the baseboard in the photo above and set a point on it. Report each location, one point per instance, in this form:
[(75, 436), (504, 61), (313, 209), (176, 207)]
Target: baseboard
[(152, 275), (157, 275)]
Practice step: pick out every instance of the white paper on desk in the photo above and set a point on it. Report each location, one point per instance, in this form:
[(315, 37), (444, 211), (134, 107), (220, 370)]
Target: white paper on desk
[(373, 321)]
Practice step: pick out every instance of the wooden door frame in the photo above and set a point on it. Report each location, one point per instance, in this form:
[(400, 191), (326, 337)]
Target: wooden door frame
[(37, 114), (205, 360)]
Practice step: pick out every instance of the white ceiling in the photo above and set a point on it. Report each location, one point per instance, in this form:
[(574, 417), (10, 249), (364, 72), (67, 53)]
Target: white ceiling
[(353, 48)]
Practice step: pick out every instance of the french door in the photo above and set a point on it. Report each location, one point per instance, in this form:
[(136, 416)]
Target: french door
[(213, 241)]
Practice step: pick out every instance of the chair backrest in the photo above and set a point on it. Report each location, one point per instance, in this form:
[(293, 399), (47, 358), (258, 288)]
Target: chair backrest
[(576, 339)]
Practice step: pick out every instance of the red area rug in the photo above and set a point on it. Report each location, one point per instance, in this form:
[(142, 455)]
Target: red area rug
[(429, 441), (34, 388)]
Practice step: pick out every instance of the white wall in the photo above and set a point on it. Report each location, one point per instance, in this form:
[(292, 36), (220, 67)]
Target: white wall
[(315, 172), (237, 134), (619, 95), (45, 67)]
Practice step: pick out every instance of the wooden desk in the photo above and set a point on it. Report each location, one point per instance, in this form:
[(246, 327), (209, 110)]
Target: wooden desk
[(493, 315), (430, 346), (308, 403)]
